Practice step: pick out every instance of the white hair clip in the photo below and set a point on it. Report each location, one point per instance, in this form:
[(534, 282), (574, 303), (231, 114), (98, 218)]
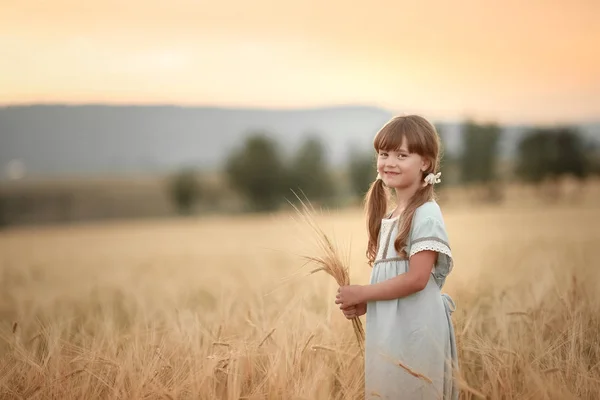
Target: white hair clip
[(378, 176), (432, 178)]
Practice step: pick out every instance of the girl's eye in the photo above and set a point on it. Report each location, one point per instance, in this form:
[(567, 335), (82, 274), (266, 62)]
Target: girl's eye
[(383, 154)]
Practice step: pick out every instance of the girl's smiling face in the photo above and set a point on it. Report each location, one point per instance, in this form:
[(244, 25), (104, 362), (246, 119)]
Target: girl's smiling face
[(399, 168)]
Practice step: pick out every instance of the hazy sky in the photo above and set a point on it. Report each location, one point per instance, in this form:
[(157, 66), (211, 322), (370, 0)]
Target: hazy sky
[(536, 60)]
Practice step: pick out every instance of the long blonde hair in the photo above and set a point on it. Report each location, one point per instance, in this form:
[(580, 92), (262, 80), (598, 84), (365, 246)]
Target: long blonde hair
[(421, 138)]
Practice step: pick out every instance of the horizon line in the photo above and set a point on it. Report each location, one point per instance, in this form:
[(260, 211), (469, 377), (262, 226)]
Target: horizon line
[(206, 106)]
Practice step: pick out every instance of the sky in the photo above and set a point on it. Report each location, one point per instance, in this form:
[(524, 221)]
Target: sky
[(509, 61)]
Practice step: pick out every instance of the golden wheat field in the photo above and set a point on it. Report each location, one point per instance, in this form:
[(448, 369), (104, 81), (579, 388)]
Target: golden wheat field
[(222, 308)]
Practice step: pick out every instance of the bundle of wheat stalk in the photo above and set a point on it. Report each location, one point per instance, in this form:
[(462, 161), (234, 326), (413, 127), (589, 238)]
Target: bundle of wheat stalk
[(329, 260)]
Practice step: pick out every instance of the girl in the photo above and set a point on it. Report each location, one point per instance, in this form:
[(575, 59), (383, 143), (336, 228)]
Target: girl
[(408, 318)]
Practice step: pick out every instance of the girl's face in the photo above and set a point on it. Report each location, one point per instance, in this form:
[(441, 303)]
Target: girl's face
[(400, 169)]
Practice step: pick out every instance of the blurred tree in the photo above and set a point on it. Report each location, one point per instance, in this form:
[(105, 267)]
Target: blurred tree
[(534, 158), (549, 153), (3, 212), (572, 154), (257, 172), (309, 172), (362, 171), (594, 158), (478, 159), (185, 190)]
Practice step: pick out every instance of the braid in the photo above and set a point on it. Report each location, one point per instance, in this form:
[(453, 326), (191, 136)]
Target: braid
[(375, 208)]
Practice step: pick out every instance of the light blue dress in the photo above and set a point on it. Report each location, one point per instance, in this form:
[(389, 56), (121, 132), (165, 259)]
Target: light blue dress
[(416, 330)]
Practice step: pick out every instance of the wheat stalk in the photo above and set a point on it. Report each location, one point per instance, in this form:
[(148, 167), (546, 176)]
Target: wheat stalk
[(329, 260)]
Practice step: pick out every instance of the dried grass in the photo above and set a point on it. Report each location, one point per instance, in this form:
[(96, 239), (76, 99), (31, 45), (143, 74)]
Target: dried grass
[(177, 309), (329, 260)]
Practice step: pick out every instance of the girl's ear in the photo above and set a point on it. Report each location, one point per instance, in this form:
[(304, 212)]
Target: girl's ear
[(425, 164)]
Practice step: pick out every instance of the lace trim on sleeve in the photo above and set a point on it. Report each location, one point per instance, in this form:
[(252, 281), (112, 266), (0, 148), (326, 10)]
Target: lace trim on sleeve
[(430, 244)]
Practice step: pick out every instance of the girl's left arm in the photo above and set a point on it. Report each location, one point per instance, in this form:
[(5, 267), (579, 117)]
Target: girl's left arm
[(414, 280), (429, 247)]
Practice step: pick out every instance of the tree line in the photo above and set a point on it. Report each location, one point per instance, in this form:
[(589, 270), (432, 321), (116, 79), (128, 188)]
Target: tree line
[(265, 178)]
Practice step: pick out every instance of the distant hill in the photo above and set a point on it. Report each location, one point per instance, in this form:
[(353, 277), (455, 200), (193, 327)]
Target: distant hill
[(55, 140)]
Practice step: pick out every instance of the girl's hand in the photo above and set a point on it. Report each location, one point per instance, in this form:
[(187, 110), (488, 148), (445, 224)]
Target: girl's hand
[(355, 311), (349, 295)]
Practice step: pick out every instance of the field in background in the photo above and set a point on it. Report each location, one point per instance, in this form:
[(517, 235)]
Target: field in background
[(48, 202), (220, 308)]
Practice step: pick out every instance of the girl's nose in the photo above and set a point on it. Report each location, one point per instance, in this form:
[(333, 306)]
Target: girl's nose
[(390, 162)]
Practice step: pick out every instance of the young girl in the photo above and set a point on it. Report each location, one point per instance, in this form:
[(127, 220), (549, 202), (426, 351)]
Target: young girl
[(408, 318)]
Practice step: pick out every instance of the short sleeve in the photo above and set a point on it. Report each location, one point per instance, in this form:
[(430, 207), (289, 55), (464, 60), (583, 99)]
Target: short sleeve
[(429, 233)]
